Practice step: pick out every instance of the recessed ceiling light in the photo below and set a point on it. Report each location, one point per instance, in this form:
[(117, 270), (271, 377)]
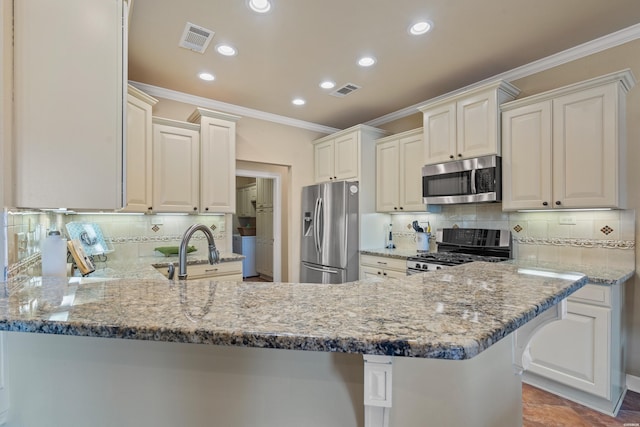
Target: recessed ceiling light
[(226, 50), (366, 61), (206, 76), (298, 101), (420, 28), (327, 84), (260, 6)]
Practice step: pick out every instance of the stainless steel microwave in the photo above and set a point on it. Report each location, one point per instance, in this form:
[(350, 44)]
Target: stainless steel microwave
[(474, 180)]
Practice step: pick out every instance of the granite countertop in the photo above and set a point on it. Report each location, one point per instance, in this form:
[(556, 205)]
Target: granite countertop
[(450, 314), (600, 275)]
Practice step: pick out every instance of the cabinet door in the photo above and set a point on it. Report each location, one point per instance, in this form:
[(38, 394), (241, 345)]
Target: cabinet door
[(347, 155), (393, 274), (217, 165), (138, 156), (387, 176), (526, 157), (264, 197), (175, 169), (585, 155), (367, 272), (477, 126), (410, 173), (440, 134), (575, 351), (324, 156), (69, 103)]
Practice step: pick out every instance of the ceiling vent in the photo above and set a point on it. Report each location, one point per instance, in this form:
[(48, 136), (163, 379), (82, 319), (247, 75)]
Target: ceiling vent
[(195, 38), (345, 90)]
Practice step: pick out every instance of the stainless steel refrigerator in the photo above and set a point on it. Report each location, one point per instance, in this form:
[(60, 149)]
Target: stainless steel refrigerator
[(329, 243)]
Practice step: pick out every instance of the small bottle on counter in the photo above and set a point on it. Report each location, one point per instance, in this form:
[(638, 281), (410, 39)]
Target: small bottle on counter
[(54, 255)]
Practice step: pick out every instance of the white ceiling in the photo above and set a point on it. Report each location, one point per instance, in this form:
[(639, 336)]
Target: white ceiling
[(287, 52)]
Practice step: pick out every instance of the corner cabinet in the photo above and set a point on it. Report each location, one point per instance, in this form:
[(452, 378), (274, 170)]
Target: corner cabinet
[(217, 160), (176, 166), (69, 87), (138, 160), (580, 357), (465, 125), (399, 172), (339, 156), (566, 148)]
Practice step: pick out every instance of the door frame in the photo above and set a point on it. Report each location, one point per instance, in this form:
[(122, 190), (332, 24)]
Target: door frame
[(277, 215)]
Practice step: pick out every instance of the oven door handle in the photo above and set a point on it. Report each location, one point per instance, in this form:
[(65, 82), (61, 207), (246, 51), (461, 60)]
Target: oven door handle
[(474, 189)]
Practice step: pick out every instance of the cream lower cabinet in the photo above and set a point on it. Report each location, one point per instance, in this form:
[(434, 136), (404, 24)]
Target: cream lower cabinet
[(217, 160), (580, 357), (69, 76), (139, 152), (228, 270), (465, 125), (566, 148), (382, 267), (264, 241), (399, 172), (176, 166)]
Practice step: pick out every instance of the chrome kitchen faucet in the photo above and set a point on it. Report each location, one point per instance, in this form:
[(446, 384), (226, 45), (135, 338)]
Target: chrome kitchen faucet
[(214, 255)]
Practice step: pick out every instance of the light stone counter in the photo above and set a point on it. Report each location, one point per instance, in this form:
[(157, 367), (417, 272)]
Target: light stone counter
[(453, 314)]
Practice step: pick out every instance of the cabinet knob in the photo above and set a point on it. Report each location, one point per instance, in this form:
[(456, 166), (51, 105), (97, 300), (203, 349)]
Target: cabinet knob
[(459, 155), (206, 209), (558, 203), (330, 178), (195, 208), (395, 208), (379, 272), (384, 274), (150, 208), (545, 204), (335, 177), (401, 208), (451, 156)]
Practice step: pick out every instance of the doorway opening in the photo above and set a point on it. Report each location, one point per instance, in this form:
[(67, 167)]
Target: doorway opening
[(257, 224)]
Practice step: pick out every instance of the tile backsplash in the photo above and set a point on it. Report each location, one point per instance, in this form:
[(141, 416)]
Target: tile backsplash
[(127, 235), (576, 237)]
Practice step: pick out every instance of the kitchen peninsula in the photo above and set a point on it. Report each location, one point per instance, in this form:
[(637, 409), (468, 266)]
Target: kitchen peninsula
[(278, 353)]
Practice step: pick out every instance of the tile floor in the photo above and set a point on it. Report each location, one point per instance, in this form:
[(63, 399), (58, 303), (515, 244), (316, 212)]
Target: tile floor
[(542, 409)]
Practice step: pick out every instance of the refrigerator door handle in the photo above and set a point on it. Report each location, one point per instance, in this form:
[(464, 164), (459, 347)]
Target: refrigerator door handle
[(316, 221), (322, 270), (320, 225)]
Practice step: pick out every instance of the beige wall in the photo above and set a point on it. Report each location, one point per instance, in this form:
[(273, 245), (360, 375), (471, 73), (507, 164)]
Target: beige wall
[(6, 116), (611, 60), (269, 147)]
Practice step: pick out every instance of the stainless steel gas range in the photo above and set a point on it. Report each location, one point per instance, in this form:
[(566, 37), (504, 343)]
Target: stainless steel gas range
[(462, 245)]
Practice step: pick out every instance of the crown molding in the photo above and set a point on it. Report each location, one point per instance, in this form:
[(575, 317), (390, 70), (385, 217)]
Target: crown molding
[(200, 101), (589, 48)]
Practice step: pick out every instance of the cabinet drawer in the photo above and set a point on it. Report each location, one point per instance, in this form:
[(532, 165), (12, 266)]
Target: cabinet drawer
[(593, 294), (200, 271), (383, 262)]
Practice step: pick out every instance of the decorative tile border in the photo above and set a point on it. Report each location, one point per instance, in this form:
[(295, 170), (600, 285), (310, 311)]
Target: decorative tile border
[(583, 243), (18, 271), (153, 239)]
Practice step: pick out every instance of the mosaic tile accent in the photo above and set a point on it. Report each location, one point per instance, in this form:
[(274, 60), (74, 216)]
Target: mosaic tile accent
[(606, 230), (582, 243), (213, 227), (155, 228), (517, 228)]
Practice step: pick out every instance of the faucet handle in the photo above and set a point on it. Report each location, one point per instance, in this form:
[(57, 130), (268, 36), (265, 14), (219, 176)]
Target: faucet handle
[(214, 255)]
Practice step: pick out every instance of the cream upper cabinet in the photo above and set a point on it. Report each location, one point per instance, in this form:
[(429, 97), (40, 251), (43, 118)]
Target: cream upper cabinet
[(69, 76), (465, 125), (264, 193), (339, 156), (566, 148), (399, 172), (217, 160), (176, 164), (246, 201), (138, 180)]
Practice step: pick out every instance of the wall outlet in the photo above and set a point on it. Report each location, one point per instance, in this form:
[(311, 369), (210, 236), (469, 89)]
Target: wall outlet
[(567, 220)]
